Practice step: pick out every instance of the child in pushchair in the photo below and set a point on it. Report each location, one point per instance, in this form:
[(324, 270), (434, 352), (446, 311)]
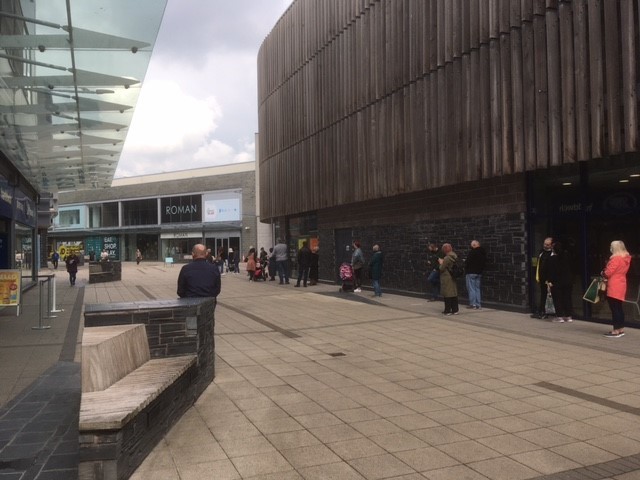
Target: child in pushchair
[(346, 275), (261, 271)]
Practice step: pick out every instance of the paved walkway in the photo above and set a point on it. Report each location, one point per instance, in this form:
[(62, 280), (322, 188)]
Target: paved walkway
[(315, 384)]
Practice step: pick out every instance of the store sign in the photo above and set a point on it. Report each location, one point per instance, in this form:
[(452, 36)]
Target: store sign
[(181, 235), (112, 245), (183, 209), (223, 206), (25, 210), (6, 198)]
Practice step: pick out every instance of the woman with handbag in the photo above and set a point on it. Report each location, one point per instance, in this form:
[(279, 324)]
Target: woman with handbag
[(615, 274)]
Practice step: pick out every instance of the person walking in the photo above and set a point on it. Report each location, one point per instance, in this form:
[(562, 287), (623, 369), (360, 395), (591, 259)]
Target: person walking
[(281, 256), (357, 263), (71, 263), (231, 260), (304, 263), (138, 256), (615, 275), (313, 269), (55, 258), (449, 288), (433, 269), (375, 270), (541, 275), (559, 279), (474, 266)]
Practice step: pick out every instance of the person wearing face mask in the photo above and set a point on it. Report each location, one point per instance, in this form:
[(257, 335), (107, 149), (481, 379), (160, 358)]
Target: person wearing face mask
[(542, 276)]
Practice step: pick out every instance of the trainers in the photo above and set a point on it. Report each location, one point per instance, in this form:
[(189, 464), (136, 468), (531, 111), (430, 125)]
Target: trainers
[(614, 335), (448, 314), (358, 290), (558, 320), (568, 319), (456, 313)]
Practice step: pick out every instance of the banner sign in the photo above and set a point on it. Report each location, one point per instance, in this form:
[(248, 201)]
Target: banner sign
[(10, 288)]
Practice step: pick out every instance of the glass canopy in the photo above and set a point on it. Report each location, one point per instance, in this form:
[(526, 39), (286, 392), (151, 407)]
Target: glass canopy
[(70, 76)]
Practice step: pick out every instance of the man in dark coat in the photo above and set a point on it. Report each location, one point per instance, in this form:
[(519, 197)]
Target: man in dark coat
[(72, 267), (541, 275), (375, 270), (199, 278), (304, 262)]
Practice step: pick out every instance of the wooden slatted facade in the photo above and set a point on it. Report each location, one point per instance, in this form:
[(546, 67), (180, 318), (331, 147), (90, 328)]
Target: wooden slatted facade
[(368, 99)]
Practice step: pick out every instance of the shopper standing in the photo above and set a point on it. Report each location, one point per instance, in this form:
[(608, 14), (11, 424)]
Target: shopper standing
[(449, 288), (474, 266), (375, 270), (357, 263), (615, 274)]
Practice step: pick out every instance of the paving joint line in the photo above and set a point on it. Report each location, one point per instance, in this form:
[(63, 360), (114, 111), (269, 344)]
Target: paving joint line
[(255, 318), (590, 398)]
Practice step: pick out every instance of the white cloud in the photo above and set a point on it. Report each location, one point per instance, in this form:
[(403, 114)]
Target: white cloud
[(169, 119), (198, 104)]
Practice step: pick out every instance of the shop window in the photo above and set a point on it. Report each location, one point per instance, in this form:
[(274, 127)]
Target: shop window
[(140, 212)]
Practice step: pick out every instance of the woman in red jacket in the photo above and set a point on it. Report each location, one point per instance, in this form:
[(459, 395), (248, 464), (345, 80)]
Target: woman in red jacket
[(615, 274)]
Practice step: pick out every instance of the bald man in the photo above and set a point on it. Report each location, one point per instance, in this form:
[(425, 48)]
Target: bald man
[(199, 278), (474, 266)]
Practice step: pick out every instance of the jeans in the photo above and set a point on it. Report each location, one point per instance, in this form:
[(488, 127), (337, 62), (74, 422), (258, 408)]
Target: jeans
[(376, 288), (303, 274), (434, 281), (281, 265), (473, 287)]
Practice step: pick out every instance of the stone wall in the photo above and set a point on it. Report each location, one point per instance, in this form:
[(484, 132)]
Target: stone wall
[(174, 327), (491, 211)]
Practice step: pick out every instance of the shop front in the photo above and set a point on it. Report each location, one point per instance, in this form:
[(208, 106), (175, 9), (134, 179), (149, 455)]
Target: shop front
[(585, 207)]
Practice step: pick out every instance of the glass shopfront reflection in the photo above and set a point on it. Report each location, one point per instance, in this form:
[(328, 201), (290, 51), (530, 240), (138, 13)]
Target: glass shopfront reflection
[(586, 206)]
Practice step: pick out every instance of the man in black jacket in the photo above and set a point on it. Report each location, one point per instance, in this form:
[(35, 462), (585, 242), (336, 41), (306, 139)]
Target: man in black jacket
[(541, 276), (304, 262), (199, 278)]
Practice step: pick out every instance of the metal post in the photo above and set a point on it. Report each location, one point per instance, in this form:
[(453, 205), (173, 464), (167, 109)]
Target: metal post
[(40, 326), (54, 309), (50, 298)]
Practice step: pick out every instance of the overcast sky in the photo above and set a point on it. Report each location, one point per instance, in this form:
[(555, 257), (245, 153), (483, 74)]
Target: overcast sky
[(198, 104)]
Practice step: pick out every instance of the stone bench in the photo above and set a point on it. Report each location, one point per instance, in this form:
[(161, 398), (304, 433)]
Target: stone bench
[(128, 399), (101, 272), (138, 380)]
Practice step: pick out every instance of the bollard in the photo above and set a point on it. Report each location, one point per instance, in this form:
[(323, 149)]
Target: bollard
[(54, 309), (49, 298), (40, 326)]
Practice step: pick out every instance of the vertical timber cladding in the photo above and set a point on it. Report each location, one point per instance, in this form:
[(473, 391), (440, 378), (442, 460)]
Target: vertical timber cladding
[(363, 99)]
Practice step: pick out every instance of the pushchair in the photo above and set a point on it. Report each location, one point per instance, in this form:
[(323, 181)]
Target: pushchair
[(261, 271), (346, 275)]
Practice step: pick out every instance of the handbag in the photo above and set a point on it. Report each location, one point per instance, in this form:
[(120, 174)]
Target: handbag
[(549, 307), (591, 294)]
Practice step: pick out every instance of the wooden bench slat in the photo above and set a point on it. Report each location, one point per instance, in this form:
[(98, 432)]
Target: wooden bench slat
[(112, 408)]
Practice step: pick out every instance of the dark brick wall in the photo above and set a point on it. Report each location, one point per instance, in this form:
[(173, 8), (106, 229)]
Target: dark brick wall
[(491, 212)]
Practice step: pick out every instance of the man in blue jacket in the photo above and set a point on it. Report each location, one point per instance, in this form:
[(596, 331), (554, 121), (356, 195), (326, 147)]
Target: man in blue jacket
[(199, 278)]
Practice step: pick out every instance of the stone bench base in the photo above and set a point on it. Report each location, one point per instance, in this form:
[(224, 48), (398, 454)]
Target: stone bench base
[(120, 426)]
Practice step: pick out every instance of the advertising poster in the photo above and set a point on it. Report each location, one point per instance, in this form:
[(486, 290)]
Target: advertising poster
[(10, 288)]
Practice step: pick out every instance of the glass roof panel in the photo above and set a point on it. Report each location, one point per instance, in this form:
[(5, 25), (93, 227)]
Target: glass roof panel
[(70, 77)]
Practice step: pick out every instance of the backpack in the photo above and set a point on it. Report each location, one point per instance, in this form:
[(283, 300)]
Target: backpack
[(456, 270)]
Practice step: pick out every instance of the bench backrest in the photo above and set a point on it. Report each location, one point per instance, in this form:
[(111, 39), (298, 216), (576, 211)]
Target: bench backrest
[(111, 353)]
